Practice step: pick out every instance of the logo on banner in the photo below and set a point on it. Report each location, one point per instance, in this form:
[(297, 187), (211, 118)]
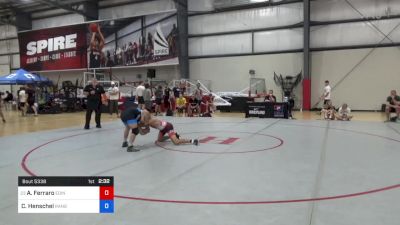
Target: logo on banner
[(51, 44), (259, 110), (11, 75), (54, 48), (160, 43), (278, 111), (256, 111), (27, 75)]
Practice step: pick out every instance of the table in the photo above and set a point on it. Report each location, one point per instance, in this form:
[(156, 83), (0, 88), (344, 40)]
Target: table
[(267, 110)]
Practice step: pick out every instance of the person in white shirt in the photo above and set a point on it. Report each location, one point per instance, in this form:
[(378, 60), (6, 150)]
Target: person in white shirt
[(344, 113), (22, 97), (113, 93), (147, 98), (139, 95), (327, 93), (328, 112)]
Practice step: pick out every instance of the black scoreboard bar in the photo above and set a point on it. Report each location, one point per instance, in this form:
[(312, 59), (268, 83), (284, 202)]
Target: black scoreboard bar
[(65, 181)]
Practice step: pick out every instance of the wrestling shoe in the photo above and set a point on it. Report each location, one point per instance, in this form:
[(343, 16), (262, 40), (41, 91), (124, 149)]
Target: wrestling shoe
[(124, 144), (196, 142), (132, 149)]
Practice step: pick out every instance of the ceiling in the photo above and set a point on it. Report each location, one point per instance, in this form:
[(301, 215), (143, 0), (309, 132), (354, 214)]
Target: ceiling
[(46, 8), (39, 9)]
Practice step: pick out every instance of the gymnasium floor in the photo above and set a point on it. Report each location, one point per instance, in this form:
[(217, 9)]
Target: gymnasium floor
[(246, 171)]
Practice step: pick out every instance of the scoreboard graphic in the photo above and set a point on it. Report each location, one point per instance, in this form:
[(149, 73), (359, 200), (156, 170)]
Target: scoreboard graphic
[(65, 194)]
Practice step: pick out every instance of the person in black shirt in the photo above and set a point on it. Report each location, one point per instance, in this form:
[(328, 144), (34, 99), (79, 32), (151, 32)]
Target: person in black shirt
[(176, 90), (8, 99), (270, 97), (392, 107), (131, 118), (30, 91), (193, 106), (110, 62), (93, 93), (159, 98), (167, 91)]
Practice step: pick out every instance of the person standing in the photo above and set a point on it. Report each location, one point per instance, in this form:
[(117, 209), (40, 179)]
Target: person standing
[(182, 87), (1, 108), (30, 91), (113, 92), (176, 90), (135, 52), (8, 100), (147, 97), (327, 92), (198, 95), (131, 118), (159, 98), (22, 100), (93, 93), (167, 95), (139, 95)]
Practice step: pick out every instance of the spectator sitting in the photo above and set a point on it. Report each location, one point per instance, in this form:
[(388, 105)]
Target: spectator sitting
[(328, 112), (181, 104), (193, 106), (393, 105), (208, 104), (344, 113), (270, 97)]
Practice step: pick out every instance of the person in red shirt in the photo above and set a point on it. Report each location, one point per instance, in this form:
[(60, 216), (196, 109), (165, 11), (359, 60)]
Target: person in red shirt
[(165, 128)]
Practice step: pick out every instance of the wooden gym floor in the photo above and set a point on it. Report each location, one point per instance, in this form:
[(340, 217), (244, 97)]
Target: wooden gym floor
[(17, 125)]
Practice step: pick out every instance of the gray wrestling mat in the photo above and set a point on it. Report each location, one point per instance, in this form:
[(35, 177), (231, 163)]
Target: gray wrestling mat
[(244, 172)]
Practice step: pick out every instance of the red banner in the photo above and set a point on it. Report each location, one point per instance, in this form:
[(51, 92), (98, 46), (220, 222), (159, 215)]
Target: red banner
[(54, 49)]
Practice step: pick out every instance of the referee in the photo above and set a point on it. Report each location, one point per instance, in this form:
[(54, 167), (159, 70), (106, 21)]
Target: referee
[(93, 93)]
